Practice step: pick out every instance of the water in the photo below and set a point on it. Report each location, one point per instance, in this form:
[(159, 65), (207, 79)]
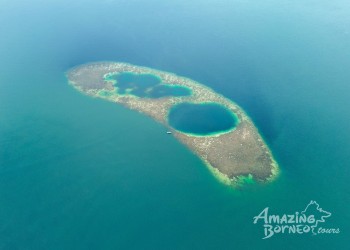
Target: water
[(201, 119), (146, 85), (82, 173)]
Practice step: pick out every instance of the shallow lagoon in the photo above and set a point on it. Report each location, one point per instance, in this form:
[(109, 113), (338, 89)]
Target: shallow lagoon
[(146, 86)]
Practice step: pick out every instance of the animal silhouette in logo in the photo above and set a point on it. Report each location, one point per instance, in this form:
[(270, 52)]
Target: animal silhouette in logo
[(313, 208)]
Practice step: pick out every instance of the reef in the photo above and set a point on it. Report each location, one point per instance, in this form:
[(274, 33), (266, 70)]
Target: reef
[(231, 155)]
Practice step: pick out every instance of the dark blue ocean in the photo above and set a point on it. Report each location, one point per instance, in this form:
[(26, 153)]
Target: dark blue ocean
[(82, 173)]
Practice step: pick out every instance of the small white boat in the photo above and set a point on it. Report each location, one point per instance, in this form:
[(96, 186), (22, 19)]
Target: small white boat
[(169, 132)]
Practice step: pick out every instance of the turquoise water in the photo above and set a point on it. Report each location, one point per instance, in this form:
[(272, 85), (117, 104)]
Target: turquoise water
[(201, 119), (82, 173), (146, 85)]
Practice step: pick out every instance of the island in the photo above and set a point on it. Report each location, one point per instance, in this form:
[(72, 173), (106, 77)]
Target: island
[(215, 128)]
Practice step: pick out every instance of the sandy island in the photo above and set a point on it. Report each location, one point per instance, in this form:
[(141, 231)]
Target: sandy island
[(232, 155)]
